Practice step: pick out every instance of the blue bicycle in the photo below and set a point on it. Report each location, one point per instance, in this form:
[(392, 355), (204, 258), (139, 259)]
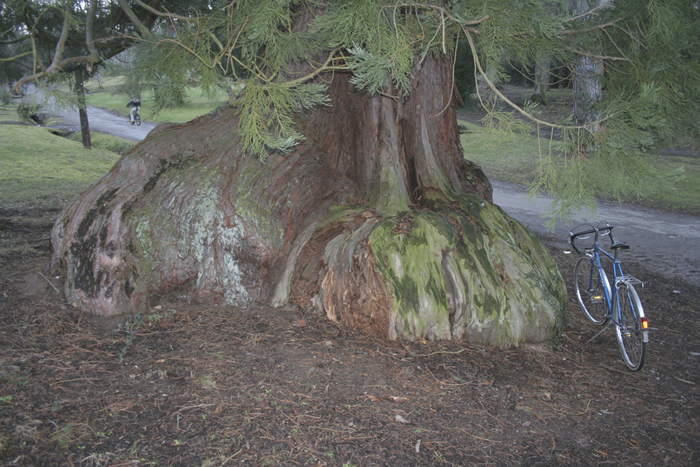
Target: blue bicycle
[(603, 304)]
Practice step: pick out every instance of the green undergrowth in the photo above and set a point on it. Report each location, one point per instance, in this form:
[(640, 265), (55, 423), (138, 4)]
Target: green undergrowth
[(516, 158), (39, 169)]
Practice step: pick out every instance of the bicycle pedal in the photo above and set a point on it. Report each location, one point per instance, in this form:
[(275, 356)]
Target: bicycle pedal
[(596, 299)]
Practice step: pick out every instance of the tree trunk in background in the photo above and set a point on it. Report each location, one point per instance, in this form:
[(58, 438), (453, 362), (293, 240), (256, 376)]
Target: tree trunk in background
[(82, 109), (588, 75), (542, 70), (587, 91), (375, 219)]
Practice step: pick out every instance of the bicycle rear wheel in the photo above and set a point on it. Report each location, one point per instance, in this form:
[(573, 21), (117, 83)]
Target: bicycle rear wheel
[(590, 290), (631, 335)]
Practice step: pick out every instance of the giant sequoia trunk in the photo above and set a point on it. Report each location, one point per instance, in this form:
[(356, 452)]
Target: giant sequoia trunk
[(375, 219)]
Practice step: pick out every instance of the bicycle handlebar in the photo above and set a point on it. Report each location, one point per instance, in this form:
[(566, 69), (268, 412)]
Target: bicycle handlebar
[(608, 228)]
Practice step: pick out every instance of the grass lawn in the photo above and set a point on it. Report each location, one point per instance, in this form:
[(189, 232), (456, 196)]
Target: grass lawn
[(40, 169), (515, 158)]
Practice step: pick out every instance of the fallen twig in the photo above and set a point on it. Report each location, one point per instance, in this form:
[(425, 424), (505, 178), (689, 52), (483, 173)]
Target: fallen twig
[(478, 437), (198, 406), (684, 381), (49, 282), (440, 352)]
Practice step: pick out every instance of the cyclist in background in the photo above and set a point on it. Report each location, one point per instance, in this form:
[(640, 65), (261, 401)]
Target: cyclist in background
[(135, 104)]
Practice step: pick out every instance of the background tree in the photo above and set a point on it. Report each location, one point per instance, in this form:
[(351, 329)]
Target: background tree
[(54, 40), (10, 40), (336, 177), (588, 66), (636, 65), (543, 58)]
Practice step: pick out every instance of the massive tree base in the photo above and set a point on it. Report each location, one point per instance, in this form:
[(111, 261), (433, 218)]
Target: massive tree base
[(376, 220), (460, 269), (464, 271)]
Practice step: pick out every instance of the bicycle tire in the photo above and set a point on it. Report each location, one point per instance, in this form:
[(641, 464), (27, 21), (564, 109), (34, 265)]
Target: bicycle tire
[(630, 333), (590, 290)]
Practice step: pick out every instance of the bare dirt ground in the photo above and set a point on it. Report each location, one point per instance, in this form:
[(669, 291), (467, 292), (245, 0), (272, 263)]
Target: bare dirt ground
[(196, 385)]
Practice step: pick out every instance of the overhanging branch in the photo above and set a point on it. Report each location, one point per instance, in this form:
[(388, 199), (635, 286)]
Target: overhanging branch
[(60, 46), (89, 34), (143, 30)]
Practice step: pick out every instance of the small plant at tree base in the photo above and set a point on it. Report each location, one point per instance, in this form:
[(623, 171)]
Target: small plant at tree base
[(130, 328), (207, 382), (64, 437)]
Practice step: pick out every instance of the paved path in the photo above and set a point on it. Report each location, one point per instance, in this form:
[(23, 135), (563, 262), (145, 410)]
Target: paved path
[(100, 120), (660, 240), (103, 121)]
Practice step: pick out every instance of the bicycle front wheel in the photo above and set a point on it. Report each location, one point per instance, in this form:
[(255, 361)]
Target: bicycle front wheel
[(590, 290), (631, 335)]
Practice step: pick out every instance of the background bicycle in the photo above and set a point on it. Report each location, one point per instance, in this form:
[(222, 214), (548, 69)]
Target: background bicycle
[(617, 305), (137, 117), (135, 112)]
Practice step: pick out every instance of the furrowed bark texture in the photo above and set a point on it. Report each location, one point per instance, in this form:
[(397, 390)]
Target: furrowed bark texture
[(376, 220)]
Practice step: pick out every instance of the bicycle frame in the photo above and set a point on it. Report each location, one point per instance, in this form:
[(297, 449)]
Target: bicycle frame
[(612, 297), (611, 294)]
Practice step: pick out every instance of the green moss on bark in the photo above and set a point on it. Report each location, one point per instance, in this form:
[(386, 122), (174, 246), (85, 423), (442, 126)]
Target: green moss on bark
[(468, 271)]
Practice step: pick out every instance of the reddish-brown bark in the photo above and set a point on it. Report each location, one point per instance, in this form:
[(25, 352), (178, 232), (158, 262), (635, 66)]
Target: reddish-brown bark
[(186, 211)]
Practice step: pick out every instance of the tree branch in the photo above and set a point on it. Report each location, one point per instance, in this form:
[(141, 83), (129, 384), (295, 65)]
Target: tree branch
[(143, 30), (600, 57), (16, 57), (589, 12), (60, 46), (160, 13), (493, 88), (90, 34), (600, 26), (60, 65)]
